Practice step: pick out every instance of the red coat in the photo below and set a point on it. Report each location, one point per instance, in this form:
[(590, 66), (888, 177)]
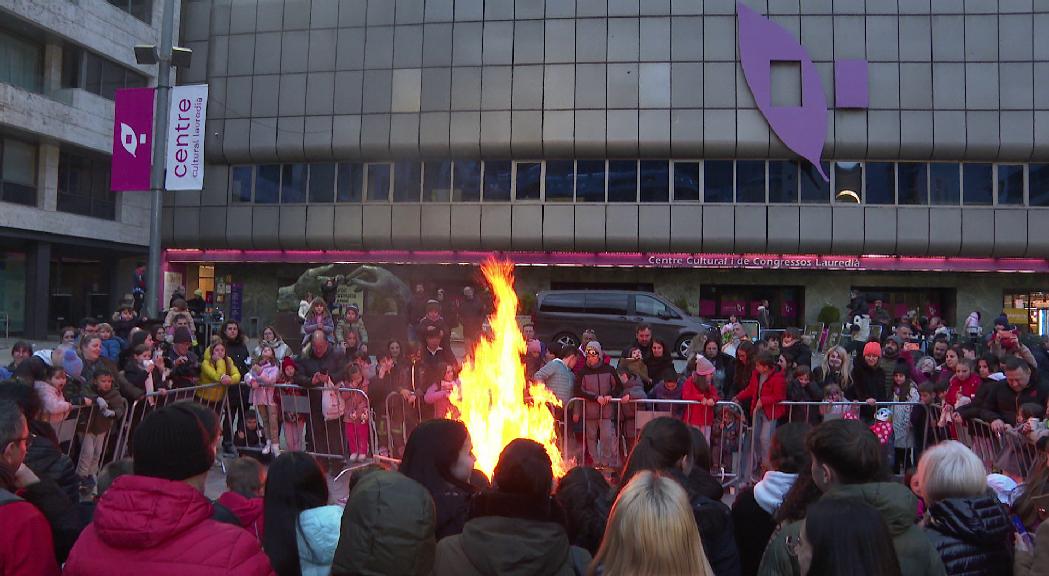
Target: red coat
[(772, 392), (698, 415), (247, 510), (159, 527), (25, 547), (959, 388)]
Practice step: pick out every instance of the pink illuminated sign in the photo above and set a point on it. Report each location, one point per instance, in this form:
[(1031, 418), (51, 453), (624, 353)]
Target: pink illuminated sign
[(624, 259)]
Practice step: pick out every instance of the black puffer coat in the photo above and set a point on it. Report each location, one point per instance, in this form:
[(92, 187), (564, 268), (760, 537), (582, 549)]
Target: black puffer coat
[(714, 520), (46, 460), (972, 535)]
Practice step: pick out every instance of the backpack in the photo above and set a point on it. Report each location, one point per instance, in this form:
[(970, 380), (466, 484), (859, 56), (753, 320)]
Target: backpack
[(332, 404)]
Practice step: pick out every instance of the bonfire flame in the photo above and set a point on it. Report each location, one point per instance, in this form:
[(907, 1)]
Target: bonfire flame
[(493, 404)]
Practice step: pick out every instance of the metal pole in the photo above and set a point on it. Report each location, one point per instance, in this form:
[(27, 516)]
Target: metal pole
[(154, 282)]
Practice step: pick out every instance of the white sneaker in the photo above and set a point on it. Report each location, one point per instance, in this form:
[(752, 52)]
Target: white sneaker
[(353, 457), (275, 450), (266, 449)]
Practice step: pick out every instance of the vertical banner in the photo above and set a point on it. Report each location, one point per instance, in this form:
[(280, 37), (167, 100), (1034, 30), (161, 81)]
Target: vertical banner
[(236, 301), (185, 152), (132, 139)]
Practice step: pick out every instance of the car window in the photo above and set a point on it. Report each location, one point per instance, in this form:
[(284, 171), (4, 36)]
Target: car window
[(649, 306), (607, 303), (563, 303)]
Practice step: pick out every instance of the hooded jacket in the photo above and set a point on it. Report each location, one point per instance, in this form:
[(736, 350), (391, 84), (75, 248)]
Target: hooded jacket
[(771, 392), (26, 546), (161, 527), (510, 535), (897, 504), (317, 538), (210, 373), (972, 535), (248, 511)]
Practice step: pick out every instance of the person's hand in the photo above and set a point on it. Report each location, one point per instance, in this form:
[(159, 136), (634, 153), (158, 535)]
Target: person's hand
[(957, 418), (353, 415), (240, 435), (25, 477), (711, 402), (162, 391), (871, 401), (225, 379), (411, 399), (625, 398), (87, 402), (601, 400), (999, 426), (181, 360)]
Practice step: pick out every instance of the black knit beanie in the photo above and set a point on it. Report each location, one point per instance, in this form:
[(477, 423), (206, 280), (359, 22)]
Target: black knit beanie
[(176, 442)]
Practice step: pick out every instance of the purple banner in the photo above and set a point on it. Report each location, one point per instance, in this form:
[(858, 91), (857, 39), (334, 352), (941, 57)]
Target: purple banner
[(132, 139)]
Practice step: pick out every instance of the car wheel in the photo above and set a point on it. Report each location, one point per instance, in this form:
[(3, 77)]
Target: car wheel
[(683, 346), (567, 339)]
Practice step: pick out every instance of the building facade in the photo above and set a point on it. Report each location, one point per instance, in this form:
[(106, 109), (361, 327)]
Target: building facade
[(68, 245), (342, 130)]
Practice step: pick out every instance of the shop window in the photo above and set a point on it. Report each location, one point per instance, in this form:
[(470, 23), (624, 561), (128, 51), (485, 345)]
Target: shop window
[(686, 181), (814, 189), (83, 186), (379, 182), (322, 183), (622, 180), (17, 171), (717, 181), (944, 184), (293, 184), (407, 179), (529, 180), (848, 182), (23, 62), (913, 183), (560, 180), (466, 181), (350, 182), (1010, 184), (881, 183), (267, 184), (1039, 184), (978, 184), (497, 179), (590, 181), (783, 181), (655, 181), (240, 183), (437, 181), (750, 181)]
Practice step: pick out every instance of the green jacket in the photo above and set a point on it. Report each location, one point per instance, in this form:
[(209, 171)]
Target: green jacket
[(897, 505), (497, 545)]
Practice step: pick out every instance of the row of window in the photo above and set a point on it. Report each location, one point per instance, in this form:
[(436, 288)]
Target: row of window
[(89, 71), (141, 9), (21, 62), (649, 181), (83, 180), (17, 171)]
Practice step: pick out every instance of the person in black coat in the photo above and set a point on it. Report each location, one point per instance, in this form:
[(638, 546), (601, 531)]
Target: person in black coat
[(868, 380), (965, 524), (320, 364), (434, 458)]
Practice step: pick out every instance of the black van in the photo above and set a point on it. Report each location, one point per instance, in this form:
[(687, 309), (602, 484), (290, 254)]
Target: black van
[(563, 315)]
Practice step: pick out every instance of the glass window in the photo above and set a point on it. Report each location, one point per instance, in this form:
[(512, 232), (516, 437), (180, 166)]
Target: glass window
[(83, 186), (437, 181), (18, 172), (466, 181), (92, 73), (112, 79), (379, 182), (95, 74), (649, 306), (350, 182), (750, 181), (406, 181), (1039, 185), (814, 189), (978, 184), (563, 302), (622, 180), (240, 183), (881, 183), (686, 181), (913, 183), (322, 183), (848, 182), (497, 180), (717, 181), (944, 184), (529, 180), (607, 303), (141, 9), (21, 62), (783, 181), (293, 184), (590, 181), (1011, 184), (267, 184), (560, 180), (655, 181)]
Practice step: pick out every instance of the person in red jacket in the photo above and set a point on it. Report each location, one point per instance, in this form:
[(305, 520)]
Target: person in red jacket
[(25, 545), (963, 384), (699, 387), (241, 505), (157, 520), (767, 388)]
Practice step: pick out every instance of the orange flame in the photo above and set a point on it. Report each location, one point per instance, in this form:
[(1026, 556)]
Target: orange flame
[(492, 402)]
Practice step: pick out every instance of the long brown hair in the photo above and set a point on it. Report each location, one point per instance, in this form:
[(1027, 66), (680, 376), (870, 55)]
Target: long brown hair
[(741, 378)]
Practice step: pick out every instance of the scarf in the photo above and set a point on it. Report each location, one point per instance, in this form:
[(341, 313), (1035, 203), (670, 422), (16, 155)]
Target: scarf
[(769, 492)]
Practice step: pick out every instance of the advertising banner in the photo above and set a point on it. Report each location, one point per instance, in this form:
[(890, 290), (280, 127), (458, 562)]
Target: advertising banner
[(132, 139), (185, 152)]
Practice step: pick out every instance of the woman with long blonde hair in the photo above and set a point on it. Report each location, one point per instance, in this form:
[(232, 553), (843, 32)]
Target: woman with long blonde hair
[(651, 532), (836, 369)]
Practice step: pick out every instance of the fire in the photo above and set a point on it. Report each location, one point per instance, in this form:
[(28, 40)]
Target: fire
[(492, 404)]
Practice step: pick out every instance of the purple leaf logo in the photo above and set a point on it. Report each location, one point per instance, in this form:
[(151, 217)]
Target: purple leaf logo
[(802, 128)]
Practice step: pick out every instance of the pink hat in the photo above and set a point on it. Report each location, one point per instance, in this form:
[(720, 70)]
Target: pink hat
[(872, 349), (703, 366)]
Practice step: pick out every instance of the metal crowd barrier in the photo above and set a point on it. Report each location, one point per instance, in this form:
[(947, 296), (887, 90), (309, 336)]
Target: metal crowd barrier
[(725, 436)]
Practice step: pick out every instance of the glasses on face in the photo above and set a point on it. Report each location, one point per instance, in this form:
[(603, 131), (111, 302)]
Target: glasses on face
[(591, 352)]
